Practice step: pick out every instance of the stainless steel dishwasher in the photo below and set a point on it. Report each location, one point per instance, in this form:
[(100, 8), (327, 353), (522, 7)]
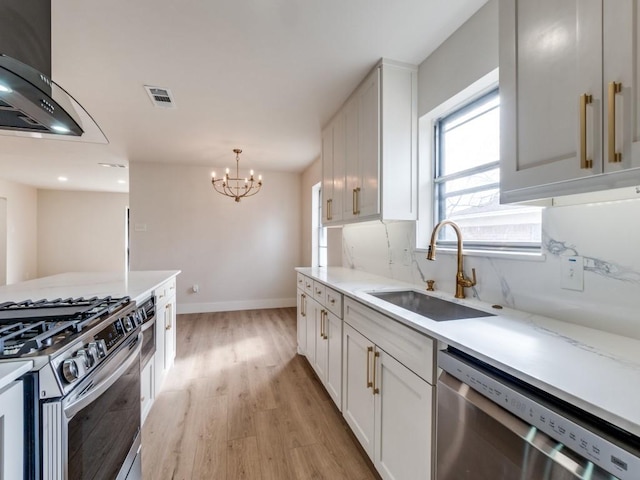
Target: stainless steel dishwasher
[(492, 426)]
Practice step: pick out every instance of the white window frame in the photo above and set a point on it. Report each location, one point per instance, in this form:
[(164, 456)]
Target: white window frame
[(426, 171)]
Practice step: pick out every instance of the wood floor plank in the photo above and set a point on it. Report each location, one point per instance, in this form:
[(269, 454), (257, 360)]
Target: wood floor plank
[(242, 459), (241, 404)]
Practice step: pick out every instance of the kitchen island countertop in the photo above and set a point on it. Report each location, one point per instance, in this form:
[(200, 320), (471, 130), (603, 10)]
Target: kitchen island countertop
[(137, 285), (592, 369)]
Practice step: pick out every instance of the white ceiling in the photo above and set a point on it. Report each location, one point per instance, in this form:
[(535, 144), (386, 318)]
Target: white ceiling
[(261, 75)]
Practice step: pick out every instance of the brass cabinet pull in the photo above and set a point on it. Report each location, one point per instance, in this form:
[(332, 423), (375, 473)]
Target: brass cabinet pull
[(325, 336), (329, 213), (321, 323), (369, 383), (303, 306), (376, 390), (585, 99), (356, 201), (168, 327), (614, 157)]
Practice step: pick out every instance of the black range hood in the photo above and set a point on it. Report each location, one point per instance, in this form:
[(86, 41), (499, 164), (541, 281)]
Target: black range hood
[(29, 100)]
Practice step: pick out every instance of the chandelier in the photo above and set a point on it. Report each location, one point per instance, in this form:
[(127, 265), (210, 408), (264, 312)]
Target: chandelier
[(236, 187)]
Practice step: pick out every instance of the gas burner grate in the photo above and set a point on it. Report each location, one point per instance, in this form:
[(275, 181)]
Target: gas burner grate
[(30, 326)]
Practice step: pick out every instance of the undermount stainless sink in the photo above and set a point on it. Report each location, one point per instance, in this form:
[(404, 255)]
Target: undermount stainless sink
[(431, 307)]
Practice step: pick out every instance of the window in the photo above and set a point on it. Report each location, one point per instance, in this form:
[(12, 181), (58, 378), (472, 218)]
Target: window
[(318, 232), (467, 181)]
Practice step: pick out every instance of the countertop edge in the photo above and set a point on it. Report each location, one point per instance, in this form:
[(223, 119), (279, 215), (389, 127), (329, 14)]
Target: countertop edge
[(10, 371)]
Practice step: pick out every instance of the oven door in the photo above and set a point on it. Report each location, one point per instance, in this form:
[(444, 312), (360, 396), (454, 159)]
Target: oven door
[(94, 432), (478, 440)]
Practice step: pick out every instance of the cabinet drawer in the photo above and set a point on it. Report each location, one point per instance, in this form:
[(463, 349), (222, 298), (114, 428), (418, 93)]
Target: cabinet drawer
[(413, 349), (319, 293), (166, 290), (308, 285), (334, 302), (300, 279)]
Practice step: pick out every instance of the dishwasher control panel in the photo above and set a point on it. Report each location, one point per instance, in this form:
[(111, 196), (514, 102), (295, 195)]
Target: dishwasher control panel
[(602, 452)]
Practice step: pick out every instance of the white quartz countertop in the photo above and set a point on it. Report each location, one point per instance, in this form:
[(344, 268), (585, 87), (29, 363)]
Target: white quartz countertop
[(10, 371), (594, 370), (137, 285)]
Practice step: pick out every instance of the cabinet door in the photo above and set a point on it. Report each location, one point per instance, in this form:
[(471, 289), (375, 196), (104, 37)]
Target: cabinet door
[(327, 174), (301, 323), (550, 55), (339, 166), (403, 421), (147, 392), (12, 431), (333, 380), (621, 52), (369, 145), (159, 371), (310, 315), (352, 171), (322, 347), (357, 394), (169, 334)]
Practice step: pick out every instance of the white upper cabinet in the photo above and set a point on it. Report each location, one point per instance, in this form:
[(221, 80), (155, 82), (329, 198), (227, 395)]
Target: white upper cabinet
[(568, 89), (333, 165), (373, 155)]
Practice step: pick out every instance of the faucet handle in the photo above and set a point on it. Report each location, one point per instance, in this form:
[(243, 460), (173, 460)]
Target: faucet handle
[(468, 282), (430, 285)]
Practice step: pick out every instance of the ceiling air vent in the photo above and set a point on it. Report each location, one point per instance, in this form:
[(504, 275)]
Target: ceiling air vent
[(161, 97)]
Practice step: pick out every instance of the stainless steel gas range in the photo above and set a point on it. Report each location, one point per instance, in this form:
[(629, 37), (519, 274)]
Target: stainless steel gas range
[(82, 412)]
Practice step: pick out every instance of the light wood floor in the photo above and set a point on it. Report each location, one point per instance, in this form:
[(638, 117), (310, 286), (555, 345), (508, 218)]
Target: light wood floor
[(241, 404)]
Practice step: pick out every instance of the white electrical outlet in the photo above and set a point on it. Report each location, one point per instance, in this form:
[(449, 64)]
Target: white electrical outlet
[(572, 273), (195, 288)]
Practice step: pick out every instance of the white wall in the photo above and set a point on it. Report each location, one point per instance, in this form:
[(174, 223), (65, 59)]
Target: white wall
[(81, 231), (22, 214), (241, 255), (606, 235)]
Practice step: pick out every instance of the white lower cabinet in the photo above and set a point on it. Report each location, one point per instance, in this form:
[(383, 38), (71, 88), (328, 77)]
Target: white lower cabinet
[(12, 431), (301, 321), (165, 331), (147, 390), (319, 321), (388, 407), (357, 397), (403, 421)]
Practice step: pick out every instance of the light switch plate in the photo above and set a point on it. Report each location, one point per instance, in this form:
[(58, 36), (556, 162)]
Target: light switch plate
[(572, 273)]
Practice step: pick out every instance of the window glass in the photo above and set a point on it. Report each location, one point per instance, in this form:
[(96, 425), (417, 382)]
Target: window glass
[(467, 180)]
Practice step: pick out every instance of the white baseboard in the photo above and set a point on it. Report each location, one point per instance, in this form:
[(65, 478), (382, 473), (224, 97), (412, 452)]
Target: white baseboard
[(237, 305)]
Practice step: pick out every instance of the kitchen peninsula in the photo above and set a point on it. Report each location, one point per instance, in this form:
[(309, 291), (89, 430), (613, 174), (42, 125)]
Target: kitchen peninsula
[(73, 347)]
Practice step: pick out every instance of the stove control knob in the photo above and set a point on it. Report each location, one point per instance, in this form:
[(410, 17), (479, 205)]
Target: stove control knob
[(101, 347), (84, 358), (128, 326), (70, 370), (92, 353)]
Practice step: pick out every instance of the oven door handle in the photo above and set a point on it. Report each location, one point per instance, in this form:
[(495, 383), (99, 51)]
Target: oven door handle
[(112, 374), (149, 323)]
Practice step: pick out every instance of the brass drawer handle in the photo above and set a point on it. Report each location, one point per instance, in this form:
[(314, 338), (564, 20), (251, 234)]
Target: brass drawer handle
[(356, 201), (614, 157), (585, 99), (369, 383), (376, 390)]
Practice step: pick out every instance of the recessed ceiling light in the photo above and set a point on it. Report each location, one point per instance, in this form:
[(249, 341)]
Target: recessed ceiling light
[(112, 165), (62, 179), (4, 88), (60, 129), (122, 182)]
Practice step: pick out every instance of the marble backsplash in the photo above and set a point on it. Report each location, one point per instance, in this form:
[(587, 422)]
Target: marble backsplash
[(606, 235)]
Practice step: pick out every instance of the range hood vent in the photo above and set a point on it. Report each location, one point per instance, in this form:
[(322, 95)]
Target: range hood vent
[(29, 100), (160, 97)]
